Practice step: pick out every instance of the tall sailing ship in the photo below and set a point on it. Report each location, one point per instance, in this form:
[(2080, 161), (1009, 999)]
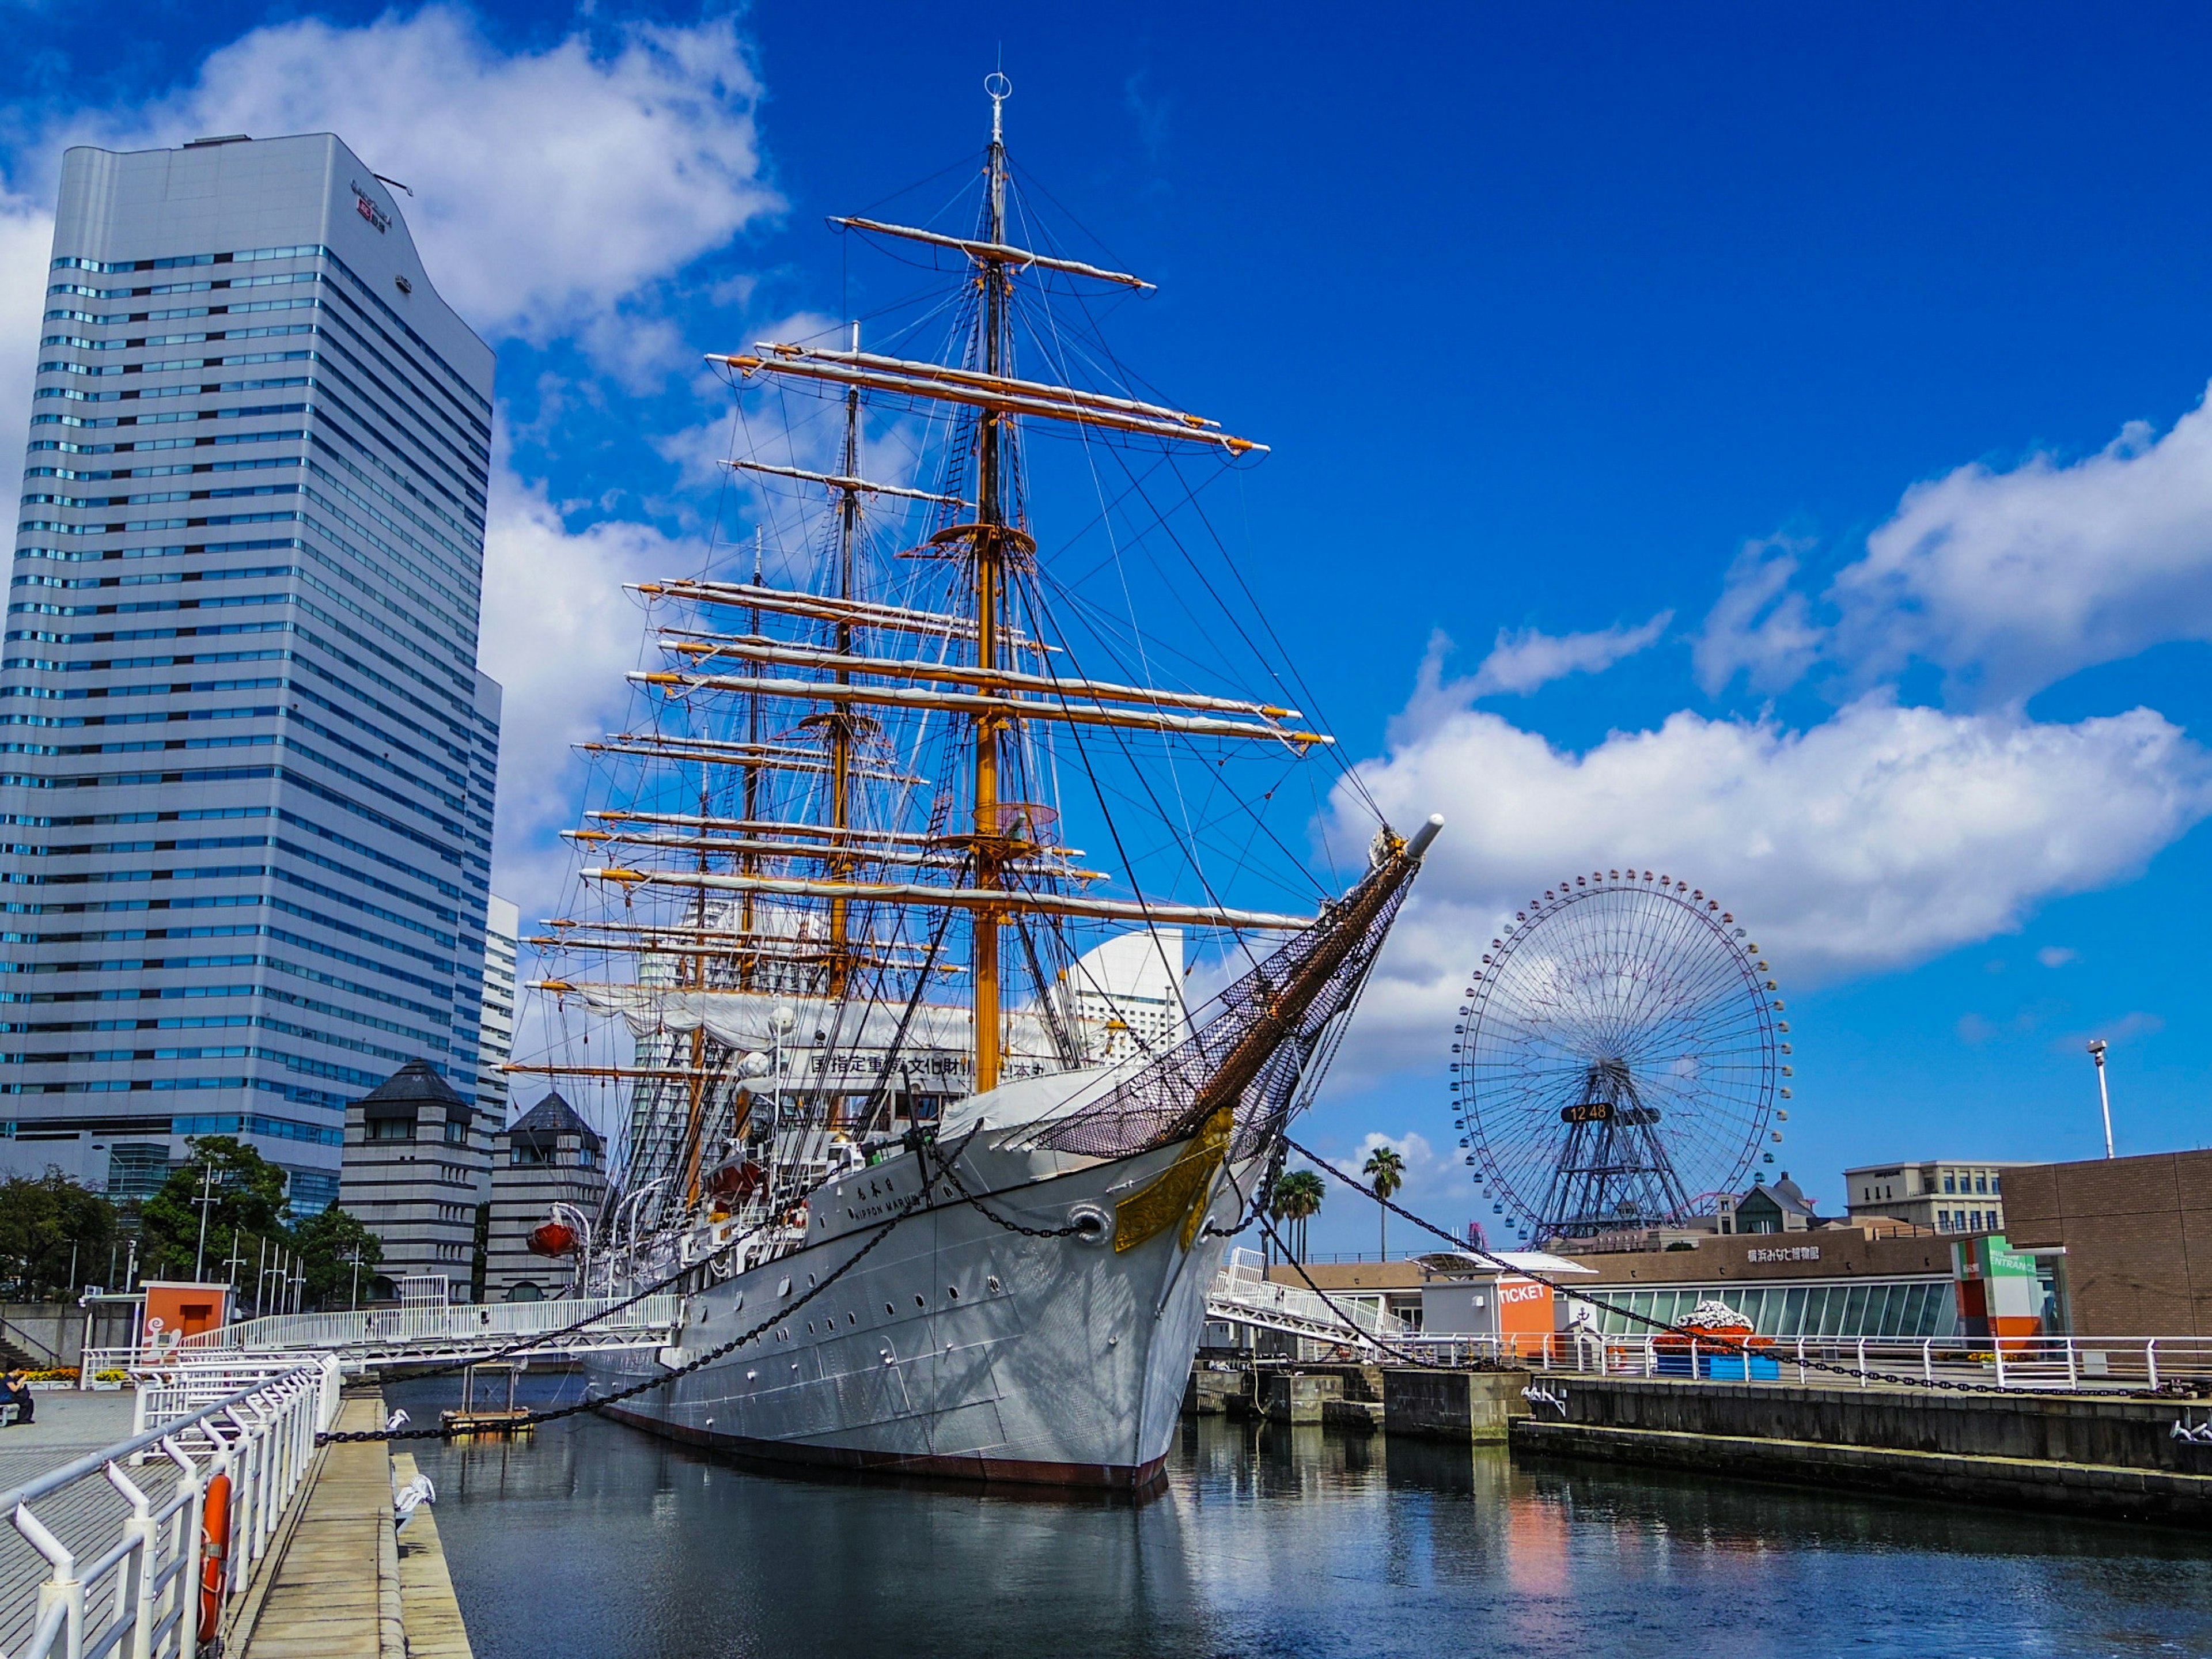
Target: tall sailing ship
[(921, 1121)]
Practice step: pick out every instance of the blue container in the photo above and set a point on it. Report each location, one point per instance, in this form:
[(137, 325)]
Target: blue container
[(1737, 1367)]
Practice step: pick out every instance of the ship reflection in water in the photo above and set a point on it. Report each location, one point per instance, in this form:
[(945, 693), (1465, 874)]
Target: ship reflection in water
[(594, 1540)]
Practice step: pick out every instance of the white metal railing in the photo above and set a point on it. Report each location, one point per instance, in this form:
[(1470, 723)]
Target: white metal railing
[(1550, 1352), (123, 1561), (1241, 1289), (385, 1332), (2029, 1365)]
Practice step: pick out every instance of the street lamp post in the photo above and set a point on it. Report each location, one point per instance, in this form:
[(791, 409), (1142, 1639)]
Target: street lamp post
[(206, 1201), (2104, 1092)]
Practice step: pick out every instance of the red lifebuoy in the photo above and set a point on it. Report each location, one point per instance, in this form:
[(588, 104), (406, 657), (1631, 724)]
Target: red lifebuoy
[(215, 1552)]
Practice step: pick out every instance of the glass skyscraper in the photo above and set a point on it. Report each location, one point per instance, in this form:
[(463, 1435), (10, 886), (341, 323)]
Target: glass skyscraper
[(246, 773)]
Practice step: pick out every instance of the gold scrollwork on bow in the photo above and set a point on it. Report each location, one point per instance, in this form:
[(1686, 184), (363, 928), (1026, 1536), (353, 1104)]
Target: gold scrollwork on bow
[(1178, 1192)]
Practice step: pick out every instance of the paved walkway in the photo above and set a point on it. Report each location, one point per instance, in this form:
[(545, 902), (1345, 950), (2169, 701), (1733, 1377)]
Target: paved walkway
[(67, 1426)]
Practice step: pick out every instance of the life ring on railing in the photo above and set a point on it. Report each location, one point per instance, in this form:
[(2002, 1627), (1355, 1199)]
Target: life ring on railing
[(215, 1552)]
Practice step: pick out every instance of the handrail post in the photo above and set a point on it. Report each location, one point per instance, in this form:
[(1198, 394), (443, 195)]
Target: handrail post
[(63, 1588), (1996, 1348), (1926, 1359), (2073, 1371), (134, 1584), (2150, 1360)]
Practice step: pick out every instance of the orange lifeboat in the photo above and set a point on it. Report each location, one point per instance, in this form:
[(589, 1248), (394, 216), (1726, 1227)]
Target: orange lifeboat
[(735, 1181), (553, 1238)]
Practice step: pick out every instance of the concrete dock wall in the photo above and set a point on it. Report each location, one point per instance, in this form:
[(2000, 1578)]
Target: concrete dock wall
[(1475, 1405), (2084, 1454), (2052, 1428)]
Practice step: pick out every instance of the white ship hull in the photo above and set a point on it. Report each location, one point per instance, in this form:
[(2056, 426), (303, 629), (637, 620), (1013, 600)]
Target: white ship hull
[(957, 1346)]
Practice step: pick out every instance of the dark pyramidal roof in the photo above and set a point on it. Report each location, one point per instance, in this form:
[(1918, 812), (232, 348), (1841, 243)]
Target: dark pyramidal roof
[(555, 1116), (413, 1085)]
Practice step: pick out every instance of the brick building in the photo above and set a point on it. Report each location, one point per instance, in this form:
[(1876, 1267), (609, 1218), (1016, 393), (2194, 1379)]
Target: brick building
[(2132, 1235)]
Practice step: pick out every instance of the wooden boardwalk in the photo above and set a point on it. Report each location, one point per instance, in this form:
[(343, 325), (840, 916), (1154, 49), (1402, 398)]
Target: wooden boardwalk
[(432, 1616), (334, 1592), (343, 1586)]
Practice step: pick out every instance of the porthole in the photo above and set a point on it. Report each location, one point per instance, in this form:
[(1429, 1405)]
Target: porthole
[(993, 1283), (890, 1309), (919, 1301), (952, 1290)]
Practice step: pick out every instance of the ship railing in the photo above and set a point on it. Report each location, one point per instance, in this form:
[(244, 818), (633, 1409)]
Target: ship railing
[(2070, 1365), (461, 1326), (107, 1556)]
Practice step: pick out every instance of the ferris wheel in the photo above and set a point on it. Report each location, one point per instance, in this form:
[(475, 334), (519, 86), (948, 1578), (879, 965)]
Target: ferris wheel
[(1617, 1058)]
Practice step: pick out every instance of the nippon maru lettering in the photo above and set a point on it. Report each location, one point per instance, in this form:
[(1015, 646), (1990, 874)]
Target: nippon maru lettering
[(920, 1122)]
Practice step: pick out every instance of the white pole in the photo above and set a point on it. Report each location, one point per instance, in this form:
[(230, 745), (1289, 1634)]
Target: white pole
[(207, 1185), (2104, 1091)]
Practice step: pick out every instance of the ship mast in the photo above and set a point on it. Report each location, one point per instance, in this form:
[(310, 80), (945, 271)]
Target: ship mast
[(987, 546), (842, 718), (998, 860)]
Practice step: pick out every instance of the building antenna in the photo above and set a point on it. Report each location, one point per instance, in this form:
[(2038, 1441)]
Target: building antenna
[(2104, 1092)]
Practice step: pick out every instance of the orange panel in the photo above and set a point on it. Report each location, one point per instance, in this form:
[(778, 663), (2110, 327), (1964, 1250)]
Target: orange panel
[(1524, 1307), (176, 1310)]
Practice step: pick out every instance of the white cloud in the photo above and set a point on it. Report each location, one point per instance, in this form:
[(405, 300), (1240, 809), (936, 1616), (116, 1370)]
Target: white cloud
[(2011, 580), (1876, 838), (1761, 626), (559, 634), (2056, 956), (26, 241), (1520, 662), (555, 190), (1429, 1178), (2007, 581)]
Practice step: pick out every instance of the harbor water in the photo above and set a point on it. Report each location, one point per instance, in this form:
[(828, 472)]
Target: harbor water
[(592, 1539)]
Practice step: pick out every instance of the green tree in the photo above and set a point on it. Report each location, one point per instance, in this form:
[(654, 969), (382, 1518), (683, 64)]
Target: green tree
[(331, 1245), (1298, 1199), (53, 1233), (1385, 1170), (244, 1201)]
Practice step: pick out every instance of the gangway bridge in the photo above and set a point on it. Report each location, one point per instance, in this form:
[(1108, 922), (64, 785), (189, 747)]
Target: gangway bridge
[(570, 1327)]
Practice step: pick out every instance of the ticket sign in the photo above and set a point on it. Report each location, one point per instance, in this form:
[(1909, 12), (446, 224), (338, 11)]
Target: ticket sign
[(1524, 1307)]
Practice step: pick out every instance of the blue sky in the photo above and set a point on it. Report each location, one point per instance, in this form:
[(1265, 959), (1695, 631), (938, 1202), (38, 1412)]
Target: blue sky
[(1778, 431)]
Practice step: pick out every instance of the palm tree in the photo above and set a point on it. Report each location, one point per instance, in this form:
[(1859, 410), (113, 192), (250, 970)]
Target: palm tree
[(1385, 1170), (1297, 1195)]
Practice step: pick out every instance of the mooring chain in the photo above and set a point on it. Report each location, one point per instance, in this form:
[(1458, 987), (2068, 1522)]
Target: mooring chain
[(540, 1339), (945, 1169), (555, 1415), (1401, 1355), (1720, 1343)]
